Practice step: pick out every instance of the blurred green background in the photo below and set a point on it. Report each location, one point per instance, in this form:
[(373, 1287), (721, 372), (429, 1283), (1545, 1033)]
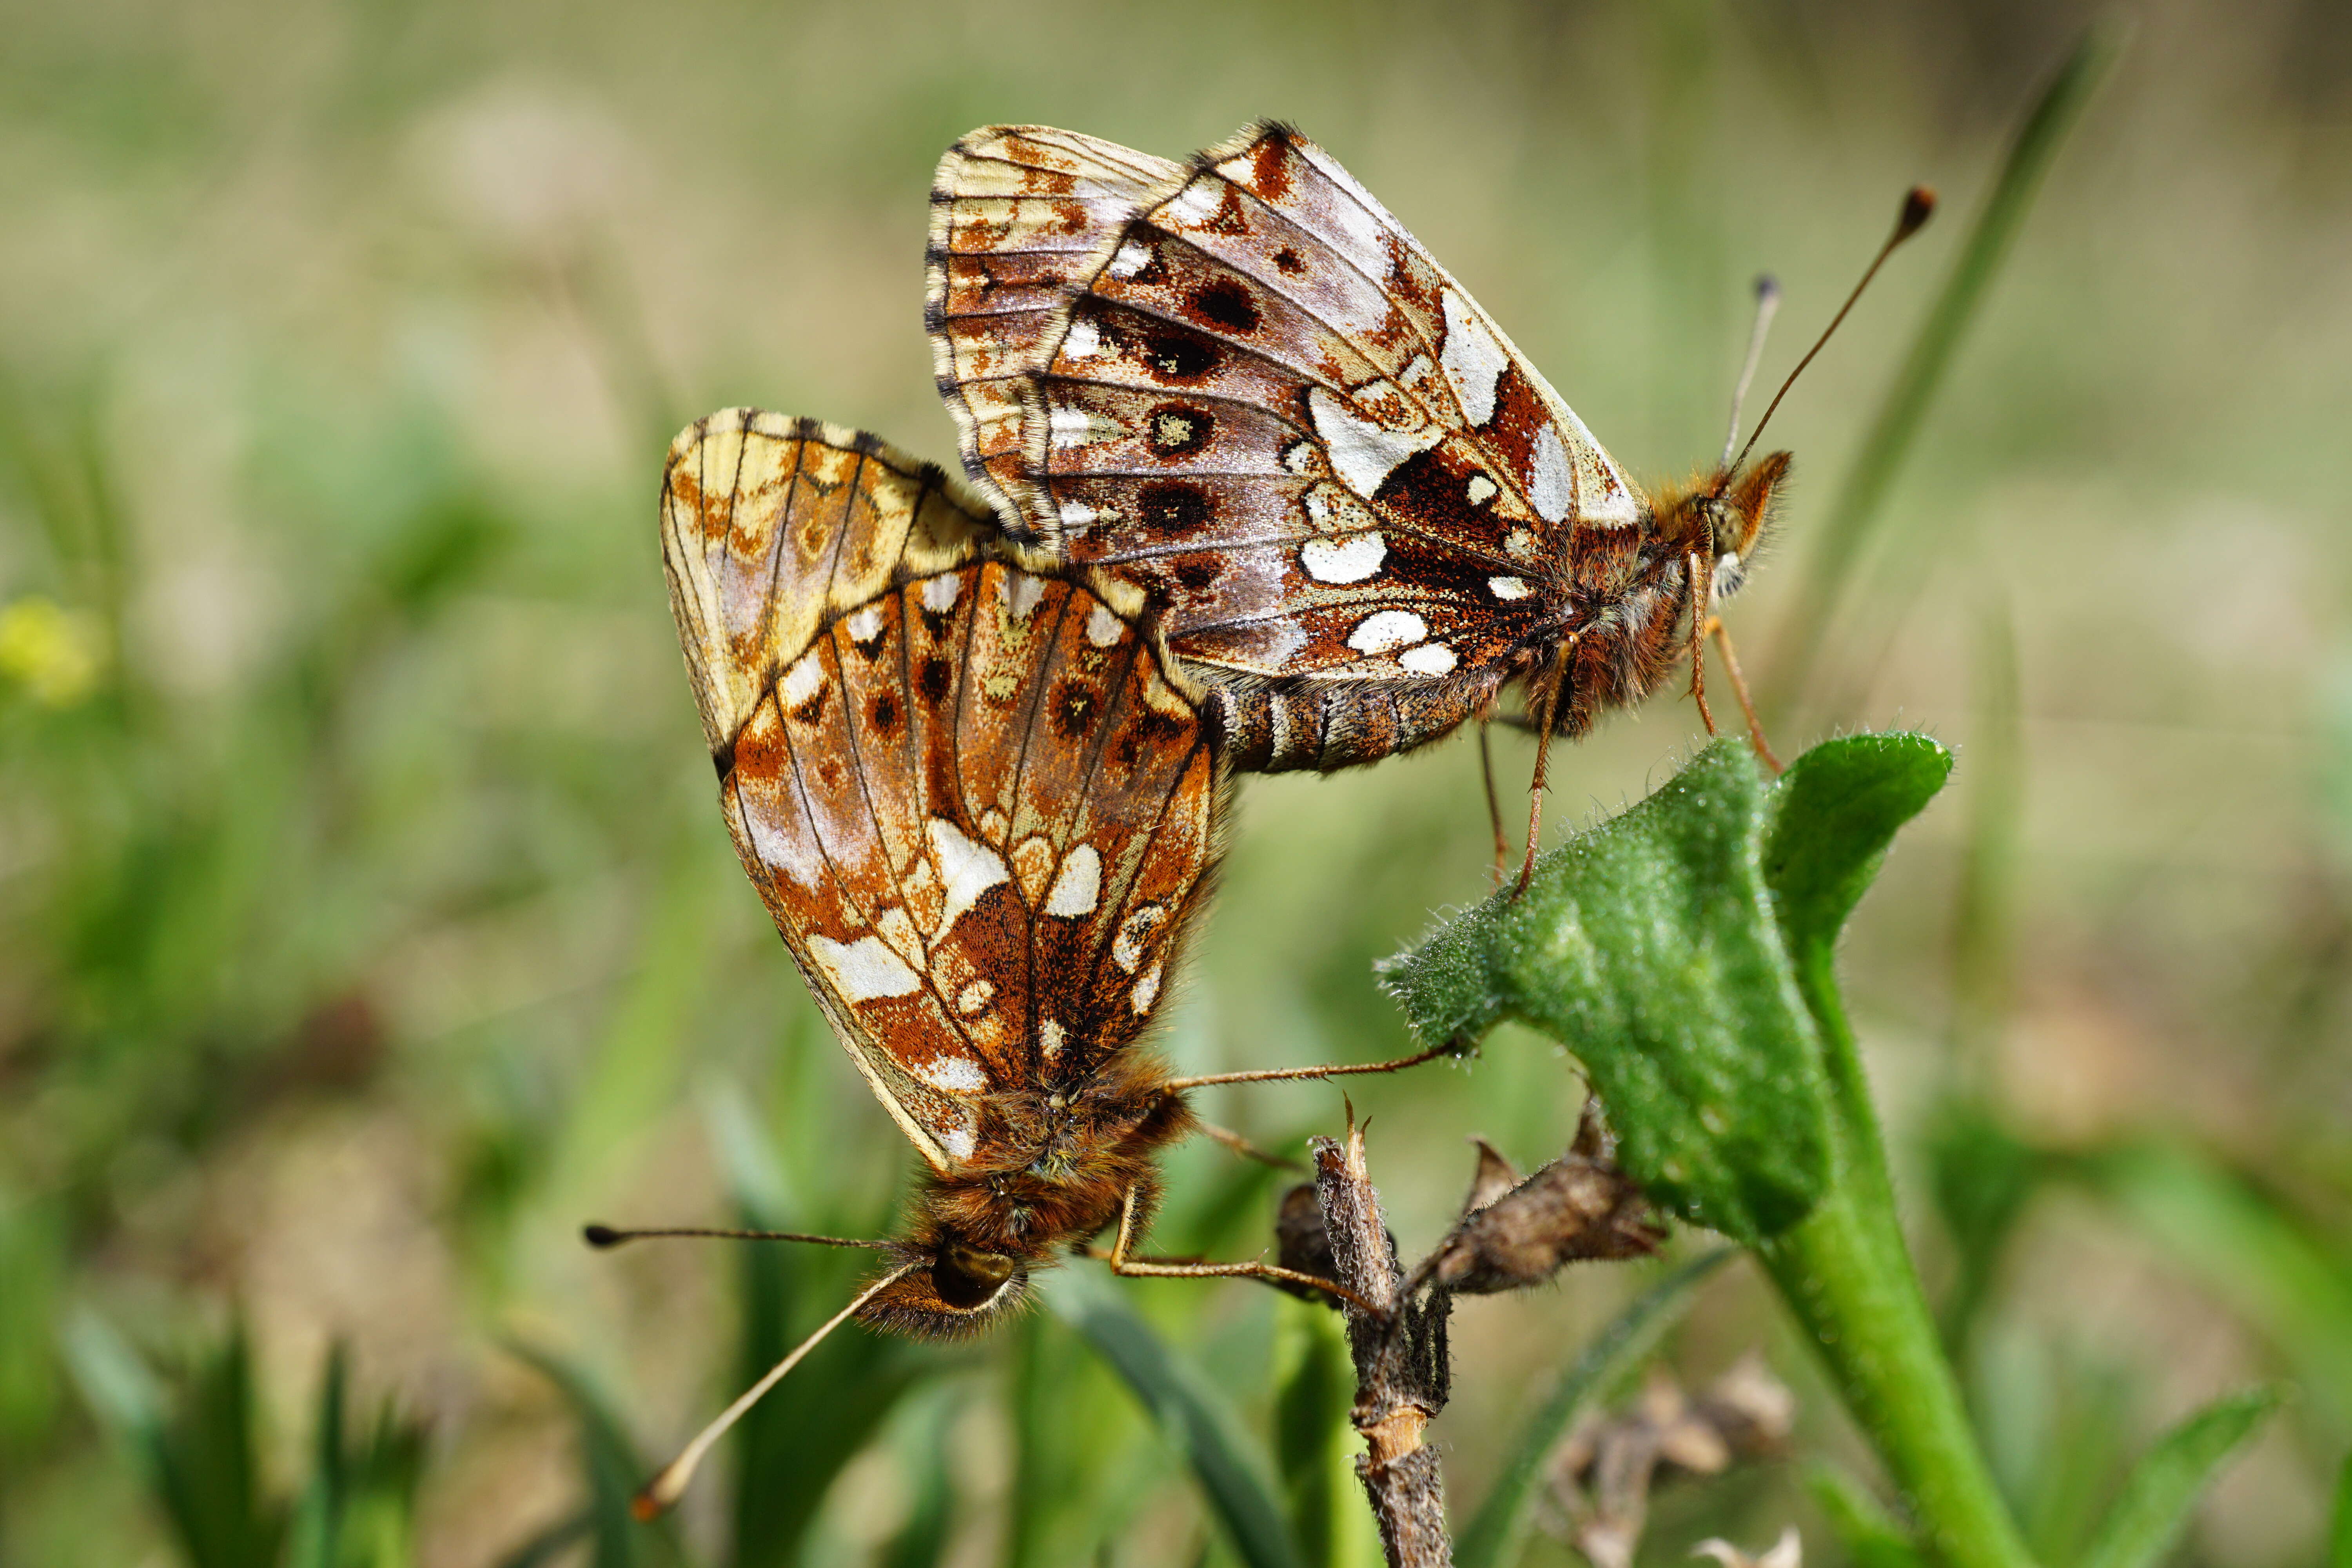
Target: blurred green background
[(365, 923)]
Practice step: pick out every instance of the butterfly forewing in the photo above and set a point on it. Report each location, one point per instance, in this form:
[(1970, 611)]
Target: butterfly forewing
[(956, 794), (1018, 214)]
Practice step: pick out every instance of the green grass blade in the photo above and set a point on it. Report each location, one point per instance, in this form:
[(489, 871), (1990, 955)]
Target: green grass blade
[(2150, 1515), (1847, 533), (2284, 1270), (1500, 1525), (613, 1470), (1233, 1477), (2339, 1531), (1873, 1537), (922, 1540), (1313, 1446)]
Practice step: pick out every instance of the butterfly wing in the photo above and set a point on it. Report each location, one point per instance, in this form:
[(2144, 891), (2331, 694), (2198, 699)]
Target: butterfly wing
[(971, 799), (1018, 212), (1272, 410)]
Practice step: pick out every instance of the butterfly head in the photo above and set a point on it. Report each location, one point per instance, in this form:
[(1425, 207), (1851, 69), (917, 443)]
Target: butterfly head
[(959, 1284), (1724, 518)]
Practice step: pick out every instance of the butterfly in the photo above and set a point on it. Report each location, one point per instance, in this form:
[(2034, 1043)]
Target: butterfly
[(983, 815), (1239, 384)]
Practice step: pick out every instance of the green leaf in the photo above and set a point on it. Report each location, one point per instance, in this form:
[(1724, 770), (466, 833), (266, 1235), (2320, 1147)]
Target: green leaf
[(2164, 1486), (1648, 946), (1231, 1475), (1873, 1537), (1833, 814), (1500, 1525)]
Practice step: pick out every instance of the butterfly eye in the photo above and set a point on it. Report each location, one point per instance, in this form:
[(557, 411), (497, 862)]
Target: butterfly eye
[(965, 1277)]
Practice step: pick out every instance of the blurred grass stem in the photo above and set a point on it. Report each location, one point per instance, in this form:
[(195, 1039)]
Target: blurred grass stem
[(1845, 534)]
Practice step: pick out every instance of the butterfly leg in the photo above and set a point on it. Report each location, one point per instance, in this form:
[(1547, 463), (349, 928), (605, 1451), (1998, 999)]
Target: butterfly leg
[(1133, 1268), (1702, 580), (1553, 680), (1493, 805), (1244, 1148), (1740, 688), (1342, 1069)]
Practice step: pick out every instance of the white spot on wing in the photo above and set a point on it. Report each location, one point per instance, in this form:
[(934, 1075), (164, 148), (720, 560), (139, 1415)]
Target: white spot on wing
[(1481, 490), (1070, 427), (1082, 340), (1050, 1037), (952, 1075), (1550, 489), (1021, 592), (1078, 514), (1520, 545), (960, 1140), (1385, 630), (865, 970), (1508, 588), (1428, 658), (939, 593), (1298, 457), (1362, 453), (966, 869), (974, 998), (1103, 629), (1350, 558), (1127, 948), (1196, 204), (1078, 885), (801, 680), (1147, 990), (865, 625), (1473, 360), (1132, 258)]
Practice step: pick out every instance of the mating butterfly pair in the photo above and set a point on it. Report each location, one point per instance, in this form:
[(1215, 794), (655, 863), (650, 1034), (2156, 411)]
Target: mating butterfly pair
[(1259, 487)]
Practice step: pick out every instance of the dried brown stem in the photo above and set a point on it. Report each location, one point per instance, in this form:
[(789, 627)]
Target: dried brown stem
[(1401, 1362)]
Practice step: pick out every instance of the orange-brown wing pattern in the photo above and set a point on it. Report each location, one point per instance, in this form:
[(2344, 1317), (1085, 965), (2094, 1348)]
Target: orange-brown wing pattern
[(1018, 212), (772, 526), (1271, 410), (973, 803)]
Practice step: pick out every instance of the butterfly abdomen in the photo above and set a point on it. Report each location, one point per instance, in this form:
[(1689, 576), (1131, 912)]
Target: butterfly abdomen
[(1286, 725)]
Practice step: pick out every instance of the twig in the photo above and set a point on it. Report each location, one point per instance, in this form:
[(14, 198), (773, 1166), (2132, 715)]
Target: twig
[(1512, 1234), (1401, 1360)]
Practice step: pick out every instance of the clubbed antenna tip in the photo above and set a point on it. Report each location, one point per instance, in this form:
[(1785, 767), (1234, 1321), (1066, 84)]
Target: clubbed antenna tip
[(1918, 206)]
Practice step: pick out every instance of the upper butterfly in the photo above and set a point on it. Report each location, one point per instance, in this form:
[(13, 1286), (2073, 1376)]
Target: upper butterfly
[(1240, 383)]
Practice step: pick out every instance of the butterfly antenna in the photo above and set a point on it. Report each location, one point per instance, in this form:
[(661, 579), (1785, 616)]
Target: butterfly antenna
[(1768, 305), (668, 1487), (604, 1235), (1918, 206)]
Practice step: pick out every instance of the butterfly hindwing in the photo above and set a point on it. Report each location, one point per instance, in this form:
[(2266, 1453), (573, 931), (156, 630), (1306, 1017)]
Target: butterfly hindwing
[(954, 781), (1018, 214)]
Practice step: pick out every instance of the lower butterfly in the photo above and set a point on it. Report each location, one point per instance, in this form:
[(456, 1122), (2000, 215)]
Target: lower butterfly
[(982, 815)]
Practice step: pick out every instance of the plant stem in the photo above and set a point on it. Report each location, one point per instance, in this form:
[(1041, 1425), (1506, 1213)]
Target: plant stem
[(1846, 1275)]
